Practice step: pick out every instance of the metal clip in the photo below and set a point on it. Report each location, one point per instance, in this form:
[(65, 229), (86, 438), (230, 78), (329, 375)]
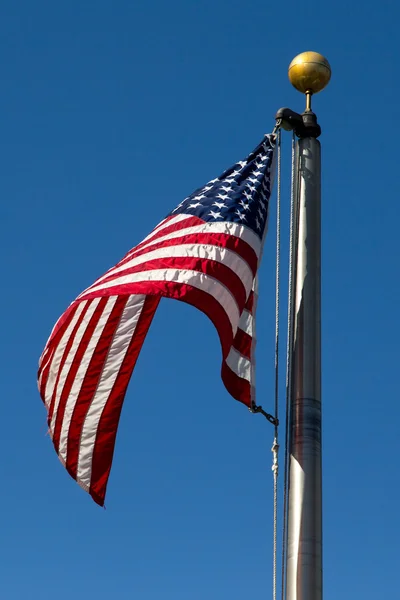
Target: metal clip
[(277, 127), (270, 418)]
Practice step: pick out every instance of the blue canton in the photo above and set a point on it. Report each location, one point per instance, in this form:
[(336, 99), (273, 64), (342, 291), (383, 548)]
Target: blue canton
[(240, 195)]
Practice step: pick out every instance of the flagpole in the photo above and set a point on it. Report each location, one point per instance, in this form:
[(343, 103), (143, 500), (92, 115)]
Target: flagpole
[(309, 73)]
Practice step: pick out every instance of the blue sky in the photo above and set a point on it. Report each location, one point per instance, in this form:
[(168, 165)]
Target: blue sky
[(111, 113)]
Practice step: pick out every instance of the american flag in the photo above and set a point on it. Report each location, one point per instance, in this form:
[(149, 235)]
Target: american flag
[(205, 252)]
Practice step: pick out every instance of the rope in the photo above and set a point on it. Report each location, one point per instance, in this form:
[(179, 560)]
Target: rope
[(275, 445), (293, 227)]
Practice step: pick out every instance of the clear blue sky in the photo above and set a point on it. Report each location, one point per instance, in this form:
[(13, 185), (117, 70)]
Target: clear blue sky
[(111, 113)]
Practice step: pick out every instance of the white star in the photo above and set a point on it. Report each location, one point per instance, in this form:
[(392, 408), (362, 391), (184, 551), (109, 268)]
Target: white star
[(194, 205), (232, 175), (251, 187), (264, 206), (240, 215), (215, 215), (225, 189), (260, 213), (223, 196), (257, 173), (242, 163), (200, 197), (247, 195), (219, 204), (212, 181), (245, 206), (258, 223), (253, 179)]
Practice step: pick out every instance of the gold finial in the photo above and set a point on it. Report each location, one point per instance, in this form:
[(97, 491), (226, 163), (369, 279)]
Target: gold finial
[(309, 73)]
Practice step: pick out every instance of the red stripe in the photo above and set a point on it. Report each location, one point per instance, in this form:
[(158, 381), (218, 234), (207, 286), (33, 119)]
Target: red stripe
[(91, 326), (213, 268), (89, 384), (239, 388), (185, 293), (210, 307), (242, 343), (64, 357), (197, 298), (108, 425), (52, 344), (221, 240), (191, 221)]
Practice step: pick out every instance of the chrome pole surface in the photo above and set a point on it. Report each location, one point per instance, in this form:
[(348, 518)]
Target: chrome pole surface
[(304, 537)]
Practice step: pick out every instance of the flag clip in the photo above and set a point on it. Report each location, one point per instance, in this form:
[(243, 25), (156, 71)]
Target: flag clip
[(270, 418)]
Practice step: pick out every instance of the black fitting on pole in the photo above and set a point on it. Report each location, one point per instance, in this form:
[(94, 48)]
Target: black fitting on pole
[(304, 126), (270, 418)]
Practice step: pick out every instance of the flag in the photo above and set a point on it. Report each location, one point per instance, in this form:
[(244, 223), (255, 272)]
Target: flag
[(205, 252)]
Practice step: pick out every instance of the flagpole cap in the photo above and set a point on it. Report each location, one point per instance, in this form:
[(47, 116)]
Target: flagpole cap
[(309, 72)]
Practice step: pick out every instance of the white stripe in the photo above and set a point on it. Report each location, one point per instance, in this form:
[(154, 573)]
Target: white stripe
[(222, 255), (71, 356), (200, 281), (80, 375), (116, 355), (246, 322), (232, 229), (240, 231), (57, 356), (48, 356), (255, 286), (239, 364)]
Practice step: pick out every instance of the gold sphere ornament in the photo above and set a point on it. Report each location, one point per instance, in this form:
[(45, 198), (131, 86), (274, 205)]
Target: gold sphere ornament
[(309, 72)]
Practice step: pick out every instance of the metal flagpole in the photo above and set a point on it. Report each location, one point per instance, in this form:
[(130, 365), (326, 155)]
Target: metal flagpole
[(309, 73)]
